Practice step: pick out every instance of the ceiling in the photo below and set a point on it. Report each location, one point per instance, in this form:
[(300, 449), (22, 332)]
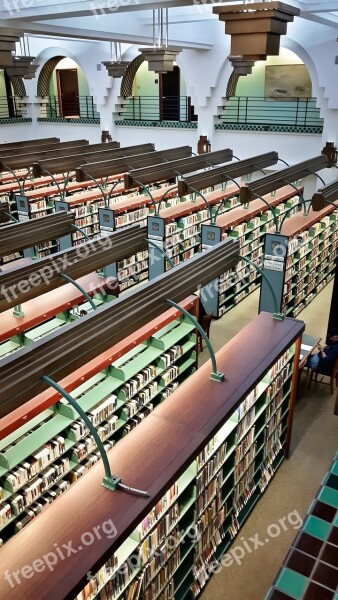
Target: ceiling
[(106, 19)]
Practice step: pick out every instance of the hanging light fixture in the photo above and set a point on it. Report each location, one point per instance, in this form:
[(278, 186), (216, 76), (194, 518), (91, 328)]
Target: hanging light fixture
[(7, 47), (255, 30), (116, 68), (160, 57), (22, 66)]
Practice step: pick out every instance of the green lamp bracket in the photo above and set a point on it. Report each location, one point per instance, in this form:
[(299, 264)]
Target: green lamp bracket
[(215, 375), (111, 482), (80, 288)]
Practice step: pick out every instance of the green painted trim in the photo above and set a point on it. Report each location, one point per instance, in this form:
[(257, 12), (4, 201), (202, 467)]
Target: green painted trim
[(163, 124), (95, 121), (268, 128)]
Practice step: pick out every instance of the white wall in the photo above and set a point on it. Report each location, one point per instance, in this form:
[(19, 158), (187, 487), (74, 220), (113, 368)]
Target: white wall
[(163, 137), (206, 74)]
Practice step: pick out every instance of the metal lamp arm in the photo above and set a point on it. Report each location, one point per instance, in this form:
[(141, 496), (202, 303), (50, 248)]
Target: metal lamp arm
[(112, 482)]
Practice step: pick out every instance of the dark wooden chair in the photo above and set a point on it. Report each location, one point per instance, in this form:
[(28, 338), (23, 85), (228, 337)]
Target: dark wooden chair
[(333, 377), (205, 324)]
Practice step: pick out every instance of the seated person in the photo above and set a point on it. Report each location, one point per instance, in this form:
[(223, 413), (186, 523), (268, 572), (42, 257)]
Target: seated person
[(323, 360)]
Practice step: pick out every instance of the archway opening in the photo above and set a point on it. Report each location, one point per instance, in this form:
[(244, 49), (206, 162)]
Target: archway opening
[(63, 83), (276, 95), (151, 96), (12, 89)]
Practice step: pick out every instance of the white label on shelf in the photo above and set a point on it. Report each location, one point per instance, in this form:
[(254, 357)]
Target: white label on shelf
[(268, 264), (277, 266), (274, 257)]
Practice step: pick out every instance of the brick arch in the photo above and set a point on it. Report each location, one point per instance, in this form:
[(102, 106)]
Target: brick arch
[(18, 86), (129, 76), (46, 75), (232, 84)]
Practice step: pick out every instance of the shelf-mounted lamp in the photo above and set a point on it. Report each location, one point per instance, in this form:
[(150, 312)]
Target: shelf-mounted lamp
[(116, 67)]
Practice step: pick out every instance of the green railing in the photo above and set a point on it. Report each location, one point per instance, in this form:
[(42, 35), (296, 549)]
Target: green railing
[(158, 108), (70, 107), (251, 111)]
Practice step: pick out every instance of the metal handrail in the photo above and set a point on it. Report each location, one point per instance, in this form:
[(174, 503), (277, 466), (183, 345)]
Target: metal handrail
[(256, 110), (158, 108)]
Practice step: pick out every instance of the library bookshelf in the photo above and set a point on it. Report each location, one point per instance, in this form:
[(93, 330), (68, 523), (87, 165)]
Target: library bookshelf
[(54, 309), (311, 258), (180, 224), (310, 567), (41, 459), (194, 468), (249, 225)]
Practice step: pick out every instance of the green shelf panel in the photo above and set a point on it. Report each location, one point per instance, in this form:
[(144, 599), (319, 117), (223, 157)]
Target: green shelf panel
[(12, 437), (131, 354), (135, 365), (292, 583), (16, 454), (167, 328), (187, 363), (9, 347), (317, 527), (42, 330), (172, 337), (87, 385), (329, 496), (95, 395)]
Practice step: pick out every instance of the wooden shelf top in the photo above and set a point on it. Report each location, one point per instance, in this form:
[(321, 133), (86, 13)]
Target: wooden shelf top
[(256, 207), (49, 305), (52, 190), (189, 206), (6, 177), (298, 223), (29, 184), (49, 397), (169, 438)]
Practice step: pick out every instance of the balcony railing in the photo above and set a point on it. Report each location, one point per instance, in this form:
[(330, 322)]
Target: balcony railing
[(11, 107), (158, 108), (70, 107), (270, 113)]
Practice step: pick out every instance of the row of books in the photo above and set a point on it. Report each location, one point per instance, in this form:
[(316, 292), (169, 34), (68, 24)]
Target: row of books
[(34, 463), (158, 531), (208, 493), (244, 463), (159, 509)]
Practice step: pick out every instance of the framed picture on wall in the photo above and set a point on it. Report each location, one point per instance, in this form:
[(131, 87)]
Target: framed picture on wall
[(287, 81)]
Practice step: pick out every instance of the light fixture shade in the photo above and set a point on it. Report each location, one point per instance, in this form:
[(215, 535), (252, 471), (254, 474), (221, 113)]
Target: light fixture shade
[(256, 28), (241, 65), (160, 60), (22, 67), (116, 68)]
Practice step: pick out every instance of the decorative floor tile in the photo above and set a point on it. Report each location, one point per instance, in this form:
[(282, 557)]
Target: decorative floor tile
[(317, 527), (292, 583)]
